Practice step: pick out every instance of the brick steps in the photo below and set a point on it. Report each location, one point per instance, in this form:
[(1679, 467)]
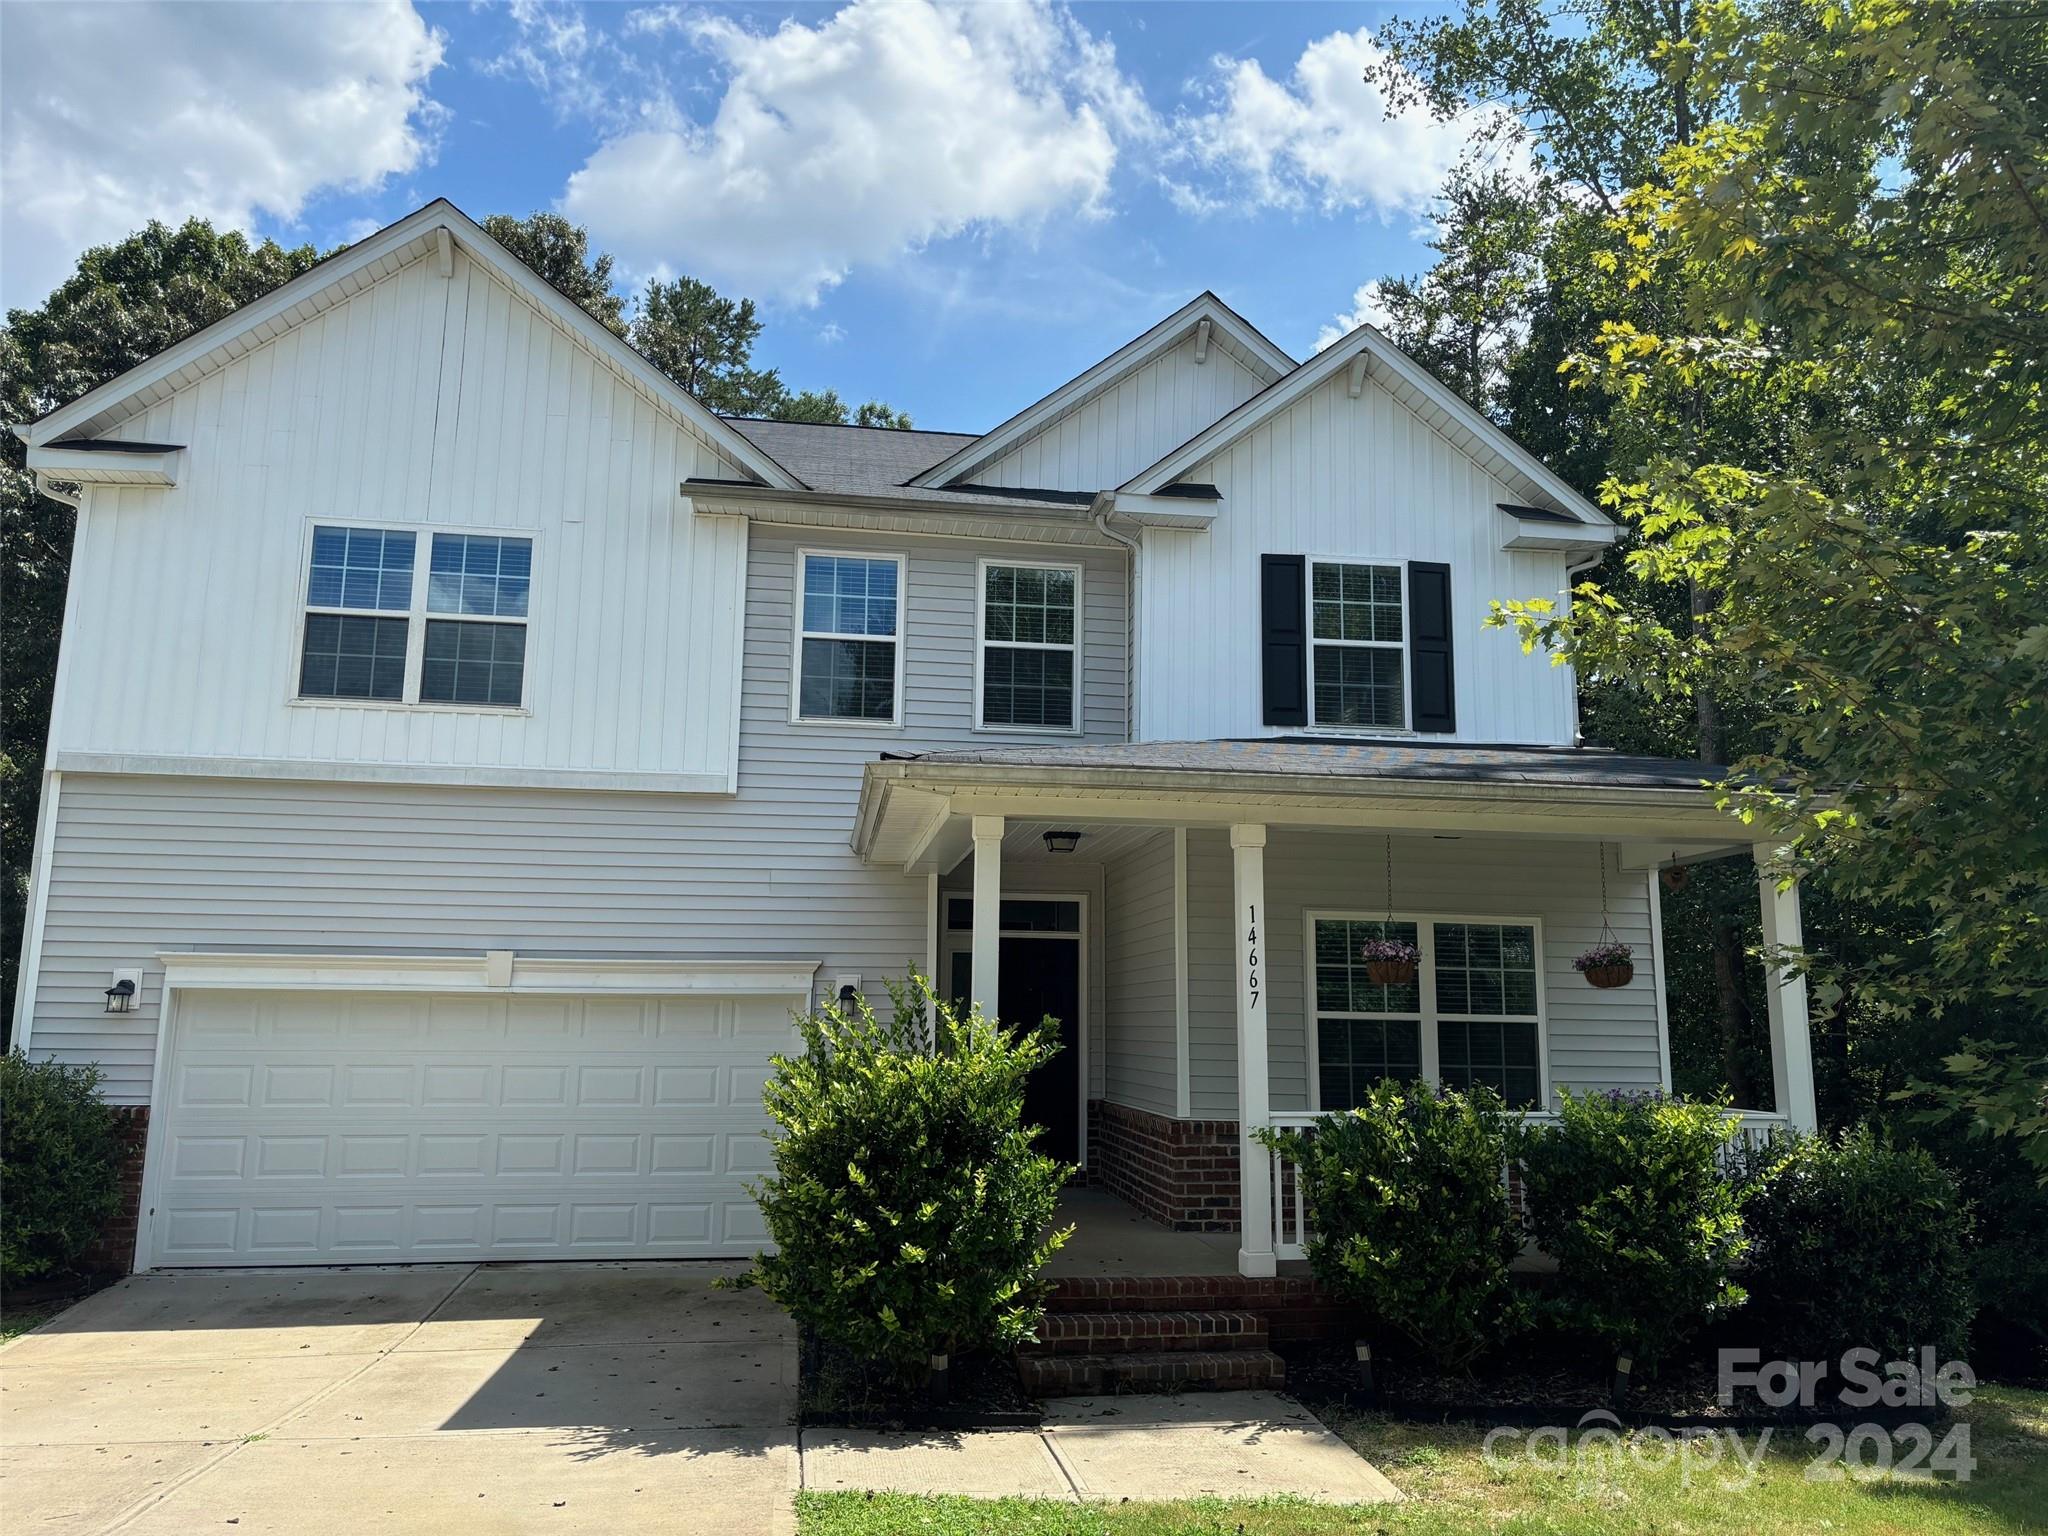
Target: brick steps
[(1121, 1333), (1164, 1370)]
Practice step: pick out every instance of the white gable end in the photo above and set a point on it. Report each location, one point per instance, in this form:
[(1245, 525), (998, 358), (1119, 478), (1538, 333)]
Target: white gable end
[(1144, 415), (428, 402), (1362, 480)]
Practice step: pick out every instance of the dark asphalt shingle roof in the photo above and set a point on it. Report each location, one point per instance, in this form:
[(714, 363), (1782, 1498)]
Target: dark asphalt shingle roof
[(1537, 514), (876, 461), (1592, 767)]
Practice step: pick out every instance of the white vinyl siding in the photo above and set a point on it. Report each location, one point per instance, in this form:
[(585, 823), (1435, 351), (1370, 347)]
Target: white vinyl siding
[(146, 864), (1594, 1039), (1140, 1064), (436, 404), (1335, 476)]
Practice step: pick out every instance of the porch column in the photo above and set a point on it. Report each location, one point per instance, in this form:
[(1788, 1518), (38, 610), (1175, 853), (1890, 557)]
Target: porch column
[(1785, 995), (988, 912), (1254, 1163)]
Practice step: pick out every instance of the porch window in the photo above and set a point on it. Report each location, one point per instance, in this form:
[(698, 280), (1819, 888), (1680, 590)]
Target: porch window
[(849, 637), (1358, 642), (1030, 646), (1473, 1014), (1486, 1018), (1364, 1031)]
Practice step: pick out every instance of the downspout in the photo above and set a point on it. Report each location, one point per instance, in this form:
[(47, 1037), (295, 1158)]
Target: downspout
[(1131, 627), (1571, 580)]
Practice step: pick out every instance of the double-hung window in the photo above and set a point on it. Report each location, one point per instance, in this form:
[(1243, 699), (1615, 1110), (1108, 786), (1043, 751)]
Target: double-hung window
[(849, 637), (1358, 671), (378, 628), (1030, 646), (1473, 1013)]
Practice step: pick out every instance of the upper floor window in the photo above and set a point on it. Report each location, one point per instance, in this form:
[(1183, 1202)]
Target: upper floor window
[(365, 599), (1357, 638), (1030, 646), (849, 637)]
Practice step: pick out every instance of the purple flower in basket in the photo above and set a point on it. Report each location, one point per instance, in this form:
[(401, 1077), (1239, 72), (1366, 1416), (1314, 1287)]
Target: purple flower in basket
[(1393, 951), (1606, 953)]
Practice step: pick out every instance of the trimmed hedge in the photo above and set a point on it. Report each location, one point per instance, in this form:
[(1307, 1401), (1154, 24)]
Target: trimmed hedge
[(60, 1165)]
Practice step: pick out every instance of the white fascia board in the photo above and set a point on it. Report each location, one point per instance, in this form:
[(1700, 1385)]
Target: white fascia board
[(191, 969), (1572, 538), (437, 215), (1159, 511), (1387, 364), (85, 466), (1259, 354)]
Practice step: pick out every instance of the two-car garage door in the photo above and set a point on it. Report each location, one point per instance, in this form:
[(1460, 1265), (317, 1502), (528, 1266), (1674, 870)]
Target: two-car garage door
[(315, 1127)]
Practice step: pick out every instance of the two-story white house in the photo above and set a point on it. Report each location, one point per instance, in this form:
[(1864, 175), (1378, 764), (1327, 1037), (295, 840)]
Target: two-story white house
[(468, 749)]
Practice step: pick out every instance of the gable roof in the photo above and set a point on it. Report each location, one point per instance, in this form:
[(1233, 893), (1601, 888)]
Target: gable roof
[(348, 272), (1228, 329), (835, 457), (1414, 386)]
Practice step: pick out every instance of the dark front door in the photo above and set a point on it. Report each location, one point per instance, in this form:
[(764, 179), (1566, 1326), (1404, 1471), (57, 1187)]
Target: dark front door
[(1042, 976)]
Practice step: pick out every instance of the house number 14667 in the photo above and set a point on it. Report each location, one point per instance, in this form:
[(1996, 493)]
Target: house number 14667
[(1251, 956)]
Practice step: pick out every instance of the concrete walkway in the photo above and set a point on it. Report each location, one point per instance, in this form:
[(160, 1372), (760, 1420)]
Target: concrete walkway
[(1223, 1444), (564, 1398)]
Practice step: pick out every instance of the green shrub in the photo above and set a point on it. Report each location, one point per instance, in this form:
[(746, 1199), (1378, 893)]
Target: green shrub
[(60, 1164), (1409, 1217), (910, 1212), (1627, 1193), (1859, 1242)]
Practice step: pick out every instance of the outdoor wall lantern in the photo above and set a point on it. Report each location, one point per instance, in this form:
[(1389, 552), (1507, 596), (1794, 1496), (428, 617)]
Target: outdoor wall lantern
[(121, 996), (1062, 842)]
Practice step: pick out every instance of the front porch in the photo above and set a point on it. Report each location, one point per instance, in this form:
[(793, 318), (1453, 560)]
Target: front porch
[(1220, 892)]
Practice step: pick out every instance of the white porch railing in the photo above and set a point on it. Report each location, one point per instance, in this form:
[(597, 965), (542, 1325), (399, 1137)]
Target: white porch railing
[(1290, 1199)]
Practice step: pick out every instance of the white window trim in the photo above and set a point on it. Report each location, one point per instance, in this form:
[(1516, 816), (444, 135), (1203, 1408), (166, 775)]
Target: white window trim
[(1406, 726), (982, 642), (1425, 979), (796, 649), (415, 616)]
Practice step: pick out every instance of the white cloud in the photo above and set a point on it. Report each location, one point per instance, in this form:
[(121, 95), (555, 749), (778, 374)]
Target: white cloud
[(1367, 308), (117, 114), (1320, 138), (888, 125)]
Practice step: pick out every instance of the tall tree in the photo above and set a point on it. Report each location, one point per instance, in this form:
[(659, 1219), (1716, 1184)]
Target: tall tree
[(124, 304), (705, 342), (559, 253), (1859, 242)]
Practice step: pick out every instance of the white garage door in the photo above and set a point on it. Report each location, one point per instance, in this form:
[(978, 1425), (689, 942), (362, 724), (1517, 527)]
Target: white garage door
[(325, 1127)]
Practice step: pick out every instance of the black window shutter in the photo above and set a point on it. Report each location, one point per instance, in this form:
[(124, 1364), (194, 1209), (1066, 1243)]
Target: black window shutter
[(1429, 646), (1283, 627)]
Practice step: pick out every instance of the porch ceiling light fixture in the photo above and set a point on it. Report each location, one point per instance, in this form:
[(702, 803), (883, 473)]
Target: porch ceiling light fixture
[(1062, 842)]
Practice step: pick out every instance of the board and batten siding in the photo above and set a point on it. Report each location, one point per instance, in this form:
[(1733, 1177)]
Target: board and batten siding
[(1140, 1059), (144, 864), (1339, 478), (419, 401), (1596, 1039), (1129, 426)]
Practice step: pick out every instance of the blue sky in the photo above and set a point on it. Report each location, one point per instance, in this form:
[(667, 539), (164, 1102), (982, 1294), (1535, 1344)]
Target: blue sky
[(950, 208)]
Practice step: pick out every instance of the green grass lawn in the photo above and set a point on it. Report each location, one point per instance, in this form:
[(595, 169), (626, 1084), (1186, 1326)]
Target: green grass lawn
[(1452, 1490)]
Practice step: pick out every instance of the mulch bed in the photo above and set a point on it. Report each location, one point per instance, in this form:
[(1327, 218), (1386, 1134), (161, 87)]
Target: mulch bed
[(839, 1391), (1540, 1389)]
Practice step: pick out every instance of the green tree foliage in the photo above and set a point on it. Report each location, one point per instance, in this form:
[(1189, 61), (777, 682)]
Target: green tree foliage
[(1857, 244), (1409, 1218), (1626, 1192), (125, 303), (910, 1211), (559, 253), (60, 1165), (1858, 1244)]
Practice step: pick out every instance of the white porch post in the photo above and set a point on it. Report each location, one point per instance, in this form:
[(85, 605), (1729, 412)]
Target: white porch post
[(1785, 995), (988, 912), (1254, 1163)]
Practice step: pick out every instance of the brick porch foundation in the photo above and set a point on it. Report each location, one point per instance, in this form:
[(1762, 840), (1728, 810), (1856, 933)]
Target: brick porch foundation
[(113, 1251), (1182, 1173)]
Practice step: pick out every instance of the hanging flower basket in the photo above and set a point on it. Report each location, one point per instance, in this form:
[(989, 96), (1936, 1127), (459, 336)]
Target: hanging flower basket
[(1607, 964), (1390, 962)]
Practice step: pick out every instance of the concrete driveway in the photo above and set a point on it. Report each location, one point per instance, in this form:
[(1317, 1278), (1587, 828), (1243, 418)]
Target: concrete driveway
[(562, 1398)]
